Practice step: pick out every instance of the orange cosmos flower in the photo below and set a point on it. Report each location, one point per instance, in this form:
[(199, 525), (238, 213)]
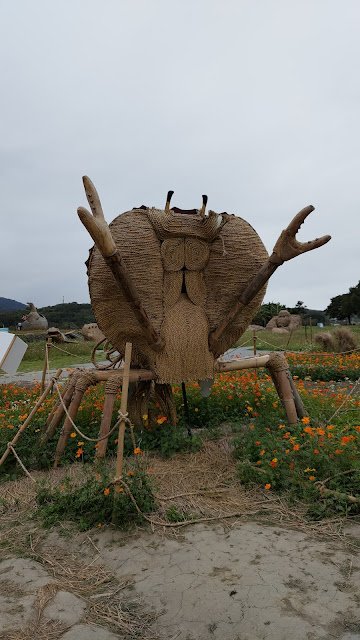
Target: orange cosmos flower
[(106, 492), (268, 485), (305, 420), (296, 447)]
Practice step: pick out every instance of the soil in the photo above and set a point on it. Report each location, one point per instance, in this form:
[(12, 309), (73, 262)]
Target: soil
[(246, 581)]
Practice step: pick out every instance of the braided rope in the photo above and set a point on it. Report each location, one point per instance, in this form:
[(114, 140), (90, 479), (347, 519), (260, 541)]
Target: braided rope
[(277, 362), (122, 417), (85, 380)]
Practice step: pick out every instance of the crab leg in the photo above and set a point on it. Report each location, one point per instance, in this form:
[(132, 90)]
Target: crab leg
[(286, 248), (99, 230)]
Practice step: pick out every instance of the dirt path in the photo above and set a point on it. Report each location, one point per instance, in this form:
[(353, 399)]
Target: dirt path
[(244, 582)]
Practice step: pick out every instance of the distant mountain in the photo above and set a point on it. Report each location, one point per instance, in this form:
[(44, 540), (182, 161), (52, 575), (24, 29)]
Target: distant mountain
[(11, 305)]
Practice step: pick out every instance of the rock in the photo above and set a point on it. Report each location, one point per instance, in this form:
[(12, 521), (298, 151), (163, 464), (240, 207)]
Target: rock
[(87, 632), (92, 333), (255, 327), (65, 607), (26, 573), (15, 612), (280, 331)]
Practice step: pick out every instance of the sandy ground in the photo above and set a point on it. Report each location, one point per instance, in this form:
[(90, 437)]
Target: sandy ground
[(245, 581)]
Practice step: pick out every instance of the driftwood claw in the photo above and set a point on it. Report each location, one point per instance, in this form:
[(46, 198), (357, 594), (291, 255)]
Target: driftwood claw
[(96, 223), (100, 232), (287, 247)]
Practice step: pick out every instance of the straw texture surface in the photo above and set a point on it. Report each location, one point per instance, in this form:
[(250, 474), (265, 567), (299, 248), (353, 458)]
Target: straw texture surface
[(189, 272)]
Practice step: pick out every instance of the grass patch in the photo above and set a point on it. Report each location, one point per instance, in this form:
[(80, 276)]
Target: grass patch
[(299, 341), (35, 355)]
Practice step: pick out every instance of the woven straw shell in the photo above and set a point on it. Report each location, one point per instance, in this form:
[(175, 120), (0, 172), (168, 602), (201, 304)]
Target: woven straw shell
[(218, 261)]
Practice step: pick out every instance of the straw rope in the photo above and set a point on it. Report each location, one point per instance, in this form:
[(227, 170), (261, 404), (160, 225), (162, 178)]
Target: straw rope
[(324, 355), (12, 449), (182, 523), (344, 402), (55, 346), (122, 416)]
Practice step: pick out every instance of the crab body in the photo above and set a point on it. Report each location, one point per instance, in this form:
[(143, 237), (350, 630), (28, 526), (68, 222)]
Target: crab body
[(188, 271)]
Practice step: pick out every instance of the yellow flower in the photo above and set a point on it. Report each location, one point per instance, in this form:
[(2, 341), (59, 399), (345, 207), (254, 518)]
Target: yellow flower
[(73, 435), (145, 416), (99, 525)]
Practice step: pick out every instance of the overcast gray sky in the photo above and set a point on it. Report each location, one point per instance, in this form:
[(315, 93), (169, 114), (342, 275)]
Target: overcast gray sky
[(254, 102)]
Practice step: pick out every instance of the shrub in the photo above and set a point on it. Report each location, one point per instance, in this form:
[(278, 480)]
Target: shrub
[(90, 502), (325, 341), (345, 339)]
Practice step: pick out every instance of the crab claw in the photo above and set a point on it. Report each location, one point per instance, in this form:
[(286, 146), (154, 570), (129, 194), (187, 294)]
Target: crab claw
[(96, 223), (287, 247)]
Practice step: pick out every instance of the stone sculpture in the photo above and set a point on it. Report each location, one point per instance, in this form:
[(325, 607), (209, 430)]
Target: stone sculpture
[(34, 321), (284, 322)]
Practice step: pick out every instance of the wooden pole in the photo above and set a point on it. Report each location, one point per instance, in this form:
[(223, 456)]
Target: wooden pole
[(56, 416), (299, 405), (123, 406), (105, 425), (32, 413), (47, 350), (286, 248), (311, 332), (305, 332), (278, 369), (68, 427), (289, 338), (244, 363), (254, 340), (100, 232)]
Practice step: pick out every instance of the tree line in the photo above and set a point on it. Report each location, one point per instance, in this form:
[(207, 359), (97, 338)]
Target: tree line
[(345, 306), (68, 315)]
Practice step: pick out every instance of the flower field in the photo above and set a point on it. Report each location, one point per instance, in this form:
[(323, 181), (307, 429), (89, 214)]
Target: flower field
[(317, 461)]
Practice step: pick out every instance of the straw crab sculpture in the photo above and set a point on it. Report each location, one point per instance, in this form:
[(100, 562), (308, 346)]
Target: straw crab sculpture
[(182, 286)]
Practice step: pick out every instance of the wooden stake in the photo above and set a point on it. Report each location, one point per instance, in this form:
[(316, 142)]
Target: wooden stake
[(68, 427), (31, 415), (299, 405), (123, 406), (105, 425), (47, 350), (254, 340), (282, 386), (57, 415), (311, 333)]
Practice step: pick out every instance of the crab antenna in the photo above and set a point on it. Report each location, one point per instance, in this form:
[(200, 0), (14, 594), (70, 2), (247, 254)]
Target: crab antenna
[(168, 199), (202, 211)]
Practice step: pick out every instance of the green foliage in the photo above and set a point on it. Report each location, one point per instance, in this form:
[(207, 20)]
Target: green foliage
[(174, 515), (297, 458), (79, 351), (168, 440), (92, 502), (266, 312), (345, 306)]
